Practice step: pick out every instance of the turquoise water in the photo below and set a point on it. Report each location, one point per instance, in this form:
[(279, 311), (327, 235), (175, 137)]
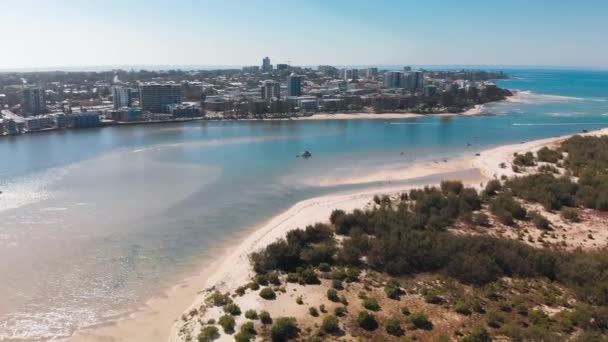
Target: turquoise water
[(94, 222)]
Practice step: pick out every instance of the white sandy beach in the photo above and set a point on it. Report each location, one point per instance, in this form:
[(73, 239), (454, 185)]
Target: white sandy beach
[(160, 320), (476, 110)]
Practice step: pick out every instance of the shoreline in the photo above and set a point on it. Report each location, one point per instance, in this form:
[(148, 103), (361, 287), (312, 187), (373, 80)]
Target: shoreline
[(227, 267)]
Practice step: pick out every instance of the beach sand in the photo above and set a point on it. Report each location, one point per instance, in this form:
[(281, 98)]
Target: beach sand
[(229, 268)]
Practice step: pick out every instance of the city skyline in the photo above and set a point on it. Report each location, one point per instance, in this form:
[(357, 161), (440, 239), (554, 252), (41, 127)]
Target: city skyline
[(387, 32)]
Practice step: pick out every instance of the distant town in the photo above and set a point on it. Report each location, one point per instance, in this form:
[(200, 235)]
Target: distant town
[(44, 101)]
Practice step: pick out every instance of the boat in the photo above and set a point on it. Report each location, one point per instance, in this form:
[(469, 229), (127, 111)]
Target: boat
[(306, 154)]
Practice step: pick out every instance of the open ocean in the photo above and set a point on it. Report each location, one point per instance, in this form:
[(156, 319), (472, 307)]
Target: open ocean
[(95, 222)]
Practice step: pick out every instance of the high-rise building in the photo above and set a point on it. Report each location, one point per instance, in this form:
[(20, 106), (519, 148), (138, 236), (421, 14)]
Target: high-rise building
[(417, 80), (371, 73), (282, 66), (34, 101), (294, 85), (155, 97), (271, 89), (392, 79), (121, 97), (266, 66), (349, 74)]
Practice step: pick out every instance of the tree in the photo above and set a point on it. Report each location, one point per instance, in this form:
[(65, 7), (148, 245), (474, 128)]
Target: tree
[(367, 321)]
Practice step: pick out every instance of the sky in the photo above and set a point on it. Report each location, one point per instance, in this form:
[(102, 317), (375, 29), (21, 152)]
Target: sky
[(43, 33)]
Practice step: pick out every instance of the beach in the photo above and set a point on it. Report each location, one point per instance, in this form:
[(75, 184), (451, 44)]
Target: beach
[(227, 266)]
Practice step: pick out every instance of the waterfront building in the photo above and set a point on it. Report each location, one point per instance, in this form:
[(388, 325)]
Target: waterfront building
[(271, 89), (1, 126), (266, 66), (121, 97), (85, 120), (430, 90), (183, 110), (34, 101), (417, 80), (155, 97), (38, 122), (294, 85), (60, 119), (127, 114)]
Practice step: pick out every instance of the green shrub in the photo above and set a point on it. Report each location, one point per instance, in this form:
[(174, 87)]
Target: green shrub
[(330, 325), (463, 308), (526, 159), (232, 309), (251, 314), (540, 221), (406, 311), (371, 304), (493, 187), (309, 276), (219, 299), (393, 289), (324, 267), (570, 215), (265, 318), (340, 311), (268, 293), (393, 327), (432, 296), (284, 329), (246, 333), (548, 155), (337, 284), (421, 321), (478, 334), (313, 311), (367, 321), (273, 278), (208, 334), (333, 295), (240, 291), (299, 300), (227, 322), (481, 219)]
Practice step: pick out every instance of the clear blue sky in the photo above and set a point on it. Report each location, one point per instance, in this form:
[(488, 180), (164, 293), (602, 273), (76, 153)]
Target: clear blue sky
[(40, 33)]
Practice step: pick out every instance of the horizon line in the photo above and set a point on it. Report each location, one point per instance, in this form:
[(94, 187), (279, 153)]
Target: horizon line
[(192, 67)]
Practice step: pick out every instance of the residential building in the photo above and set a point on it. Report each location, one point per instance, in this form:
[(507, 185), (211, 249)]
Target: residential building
[(282, 66), (392, 79), (183, 111), (271, 89), (155, 97), (294, 85), (266, 66), (121, 97), (251, 69), (85, 120), (34, 101), (371, 73), (35, 123)]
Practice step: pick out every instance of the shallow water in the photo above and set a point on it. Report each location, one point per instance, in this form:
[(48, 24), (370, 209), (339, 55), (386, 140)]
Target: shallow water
[(94, 222)]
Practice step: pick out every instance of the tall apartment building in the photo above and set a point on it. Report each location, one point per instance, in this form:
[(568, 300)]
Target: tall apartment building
[(155, 97), (34, 101), (294, 85), (271, 89), (392, 79), (121, 97), (266, 66)]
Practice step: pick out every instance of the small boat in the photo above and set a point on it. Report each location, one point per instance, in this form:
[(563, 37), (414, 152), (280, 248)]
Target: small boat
[(306, 154)]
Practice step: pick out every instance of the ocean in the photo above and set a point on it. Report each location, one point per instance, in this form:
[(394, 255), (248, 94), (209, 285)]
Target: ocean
[(95, 222)]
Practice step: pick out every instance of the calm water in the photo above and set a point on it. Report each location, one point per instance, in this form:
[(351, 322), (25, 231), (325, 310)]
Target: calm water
[(94, 222)]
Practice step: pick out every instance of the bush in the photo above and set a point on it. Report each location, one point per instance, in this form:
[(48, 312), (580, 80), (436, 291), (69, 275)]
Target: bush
[(570, 215), (268, 293), (333, 295), (218, 299), (421, 321), (208, 334), (336, 215), (462, 308), (284, 329), (371, 304), (367, 321), (227, 322), (337, 284), (548, 156), (246, 333), (273, 278), (393, 289), (251, 314), (393, 327), (309, 276), (432, 296), (324, 267), (493, 187), (478, 334), (454, 187), (406, 311), (540, 221), (265, 318), (232, 309), (481, 219), (340, 311), (526, 159), (330, 325)]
